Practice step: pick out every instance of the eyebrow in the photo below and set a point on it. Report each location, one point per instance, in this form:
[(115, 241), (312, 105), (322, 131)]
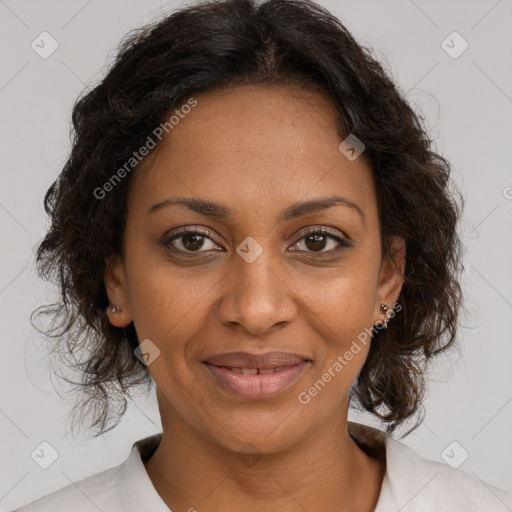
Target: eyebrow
[(211, 209)]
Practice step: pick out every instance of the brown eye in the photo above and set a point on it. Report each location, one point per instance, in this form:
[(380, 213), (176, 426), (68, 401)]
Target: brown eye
[(190, 241), (319, 240), (316, 242)]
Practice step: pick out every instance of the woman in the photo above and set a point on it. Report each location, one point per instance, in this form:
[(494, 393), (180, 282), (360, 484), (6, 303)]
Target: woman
[(252, 217)]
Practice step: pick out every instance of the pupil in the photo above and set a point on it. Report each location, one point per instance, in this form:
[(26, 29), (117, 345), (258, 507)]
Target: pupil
[(196, 244), (318, 239)]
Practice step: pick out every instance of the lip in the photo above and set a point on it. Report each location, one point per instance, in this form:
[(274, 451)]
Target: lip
[(225, 370), (263, 361)]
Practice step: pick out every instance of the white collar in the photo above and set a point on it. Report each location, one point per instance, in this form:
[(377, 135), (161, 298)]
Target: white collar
[(411, 483)]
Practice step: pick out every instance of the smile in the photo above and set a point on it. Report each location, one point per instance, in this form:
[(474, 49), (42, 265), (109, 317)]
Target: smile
[(256, 383)]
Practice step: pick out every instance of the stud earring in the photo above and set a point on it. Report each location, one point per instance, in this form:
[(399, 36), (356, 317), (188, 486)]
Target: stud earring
[(384, 309), (113, 310)]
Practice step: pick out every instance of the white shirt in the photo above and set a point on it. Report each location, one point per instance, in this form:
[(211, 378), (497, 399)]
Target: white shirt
[(411, 484)]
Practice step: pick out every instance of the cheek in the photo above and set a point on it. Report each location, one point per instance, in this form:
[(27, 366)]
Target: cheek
[(346, 301), (166, 305), (345, 316), (345, 320)]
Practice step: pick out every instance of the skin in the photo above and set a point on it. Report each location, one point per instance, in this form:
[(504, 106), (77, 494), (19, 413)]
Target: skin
[(255, 150)]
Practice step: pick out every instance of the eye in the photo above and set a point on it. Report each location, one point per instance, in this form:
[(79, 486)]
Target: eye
[(190, 241), (317, 240)]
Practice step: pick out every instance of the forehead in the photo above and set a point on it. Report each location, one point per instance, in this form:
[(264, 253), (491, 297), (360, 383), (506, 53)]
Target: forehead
[(251, 145)]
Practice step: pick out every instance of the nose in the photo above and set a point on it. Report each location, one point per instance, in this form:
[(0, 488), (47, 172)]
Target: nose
[(256, 296)]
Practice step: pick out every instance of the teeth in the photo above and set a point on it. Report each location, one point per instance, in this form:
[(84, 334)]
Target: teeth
[(249, 371), (254, 371)]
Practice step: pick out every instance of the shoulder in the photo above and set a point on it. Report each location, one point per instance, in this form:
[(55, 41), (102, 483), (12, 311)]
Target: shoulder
[(81, 496), (419, 484), (118, 489), (416, 481)]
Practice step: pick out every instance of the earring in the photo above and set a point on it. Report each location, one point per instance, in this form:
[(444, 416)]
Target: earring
[(113, 310), (384, 308)]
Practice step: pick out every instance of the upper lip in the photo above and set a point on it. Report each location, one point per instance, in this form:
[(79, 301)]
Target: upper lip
[(265, 361)]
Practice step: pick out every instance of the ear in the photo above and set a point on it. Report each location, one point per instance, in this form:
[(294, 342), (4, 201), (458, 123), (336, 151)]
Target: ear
[(114, 277), (390, 276)]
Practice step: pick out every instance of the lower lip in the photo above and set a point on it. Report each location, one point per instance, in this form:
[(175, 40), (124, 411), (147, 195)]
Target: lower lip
[(259, 385)]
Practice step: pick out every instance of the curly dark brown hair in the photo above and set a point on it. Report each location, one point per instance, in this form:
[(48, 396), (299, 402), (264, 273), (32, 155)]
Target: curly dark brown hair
[(212, 45)]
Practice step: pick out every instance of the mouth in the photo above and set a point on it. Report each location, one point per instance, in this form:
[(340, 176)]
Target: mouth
[(252, 371), (256, 383)]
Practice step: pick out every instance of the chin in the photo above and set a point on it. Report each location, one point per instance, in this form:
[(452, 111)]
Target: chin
[(258, 432)]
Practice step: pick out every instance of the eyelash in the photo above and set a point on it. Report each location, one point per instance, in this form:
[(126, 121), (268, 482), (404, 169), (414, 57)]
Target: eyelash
[(167, 242)]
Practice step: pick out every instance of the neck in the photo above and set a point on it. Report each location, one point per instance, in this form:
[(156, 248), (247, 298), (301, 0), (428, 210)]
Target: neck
[(327, 471)]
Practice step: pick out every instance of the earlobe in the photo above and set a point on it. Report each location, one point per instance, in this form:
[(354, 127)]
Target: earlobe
[(114, 277)]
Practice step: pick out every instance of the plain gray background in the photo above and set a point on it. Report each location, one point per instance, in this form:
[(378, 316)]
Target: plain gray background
[(467, 102)]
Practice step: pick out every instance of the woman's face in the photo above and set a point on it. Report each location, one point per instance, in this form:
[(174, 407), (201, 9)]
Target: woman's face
[(257, 277)]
